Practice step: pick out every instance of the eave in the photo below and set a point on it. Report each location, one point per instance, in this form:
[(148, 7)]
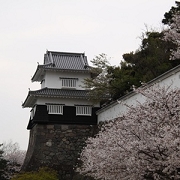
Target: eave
[(53, 93), (40, 72), (38, 75)]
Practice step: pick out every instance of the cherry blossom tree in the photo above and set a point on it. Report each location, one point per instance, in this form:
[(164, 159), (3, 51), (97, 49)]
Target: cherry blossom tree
[(173, 34), (14, 157), (142, 144)]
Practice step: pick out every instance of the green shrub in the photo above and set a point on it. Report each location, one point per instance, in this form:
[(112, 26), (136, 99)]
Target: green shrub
[(41, 174)]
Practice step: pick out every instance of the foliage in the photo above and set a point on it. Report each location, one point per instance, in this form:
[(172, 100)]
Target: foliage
[(13, 153), (173, 34), (41, 174), (152, 59), (99, 81), (142, 144), (3, 165), (168, 16), (14, 158), (122, 79), (148, 62)]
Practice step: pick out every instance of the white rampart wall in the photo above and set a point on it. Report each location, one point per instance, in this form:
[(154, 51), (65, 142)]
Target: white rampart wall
[(118, 109), (52, 79)]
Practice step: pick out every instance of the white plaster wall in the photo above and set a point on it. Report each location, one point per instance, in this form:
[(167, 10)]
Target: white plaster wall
[(67, 102), (117, 110), (173, 80), (52, 79), (43, 84)]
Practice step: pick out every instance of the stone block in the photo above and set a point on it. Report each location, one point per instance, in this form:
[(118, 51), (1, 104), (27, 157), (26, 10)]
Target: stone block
[(57, 146), (64, 127), (49, 143), (50, 126)]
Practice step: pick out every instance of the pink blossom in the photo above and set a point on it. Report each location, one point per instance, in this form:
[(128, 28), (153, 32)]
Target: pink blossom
[(144, 142)]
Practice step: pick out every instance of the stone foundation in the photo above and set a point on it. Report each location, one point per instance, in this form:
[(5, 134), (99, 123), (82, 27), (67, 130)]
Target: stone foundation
[(58, 147)]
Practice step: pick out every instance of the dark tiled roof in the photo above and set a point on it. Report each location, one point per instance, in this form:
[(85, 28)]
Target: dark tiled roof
[(62, 60), (57, 93)]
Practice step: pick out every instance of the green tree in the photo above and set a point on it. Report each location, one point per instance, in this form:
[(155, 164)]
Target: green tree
[(99, 82), (122, 79), (148, 62), (143, 65), (152, 59)]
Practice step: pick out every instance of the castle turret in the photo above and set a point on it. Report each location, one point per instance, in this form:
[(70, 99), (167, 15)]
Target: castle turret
[(61, 116)]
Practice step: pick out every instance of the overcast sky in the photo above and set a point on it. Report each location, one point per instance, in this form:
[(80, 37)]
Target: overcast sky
[(30, 27)]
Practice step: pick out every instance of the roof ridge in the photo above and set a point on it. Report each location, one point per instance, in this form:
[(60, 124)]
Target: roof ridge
[(62, 89), (66, 53)]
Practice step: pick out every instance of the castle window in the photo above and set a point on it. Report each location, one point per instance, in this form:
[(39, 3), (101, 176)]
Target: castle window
[(83, 110), (55, 109), (69, 82)]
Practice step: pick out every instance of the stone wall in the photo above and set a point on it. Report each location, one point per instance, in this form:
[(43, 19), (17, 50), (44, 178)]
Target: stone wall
[(58, 147)]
